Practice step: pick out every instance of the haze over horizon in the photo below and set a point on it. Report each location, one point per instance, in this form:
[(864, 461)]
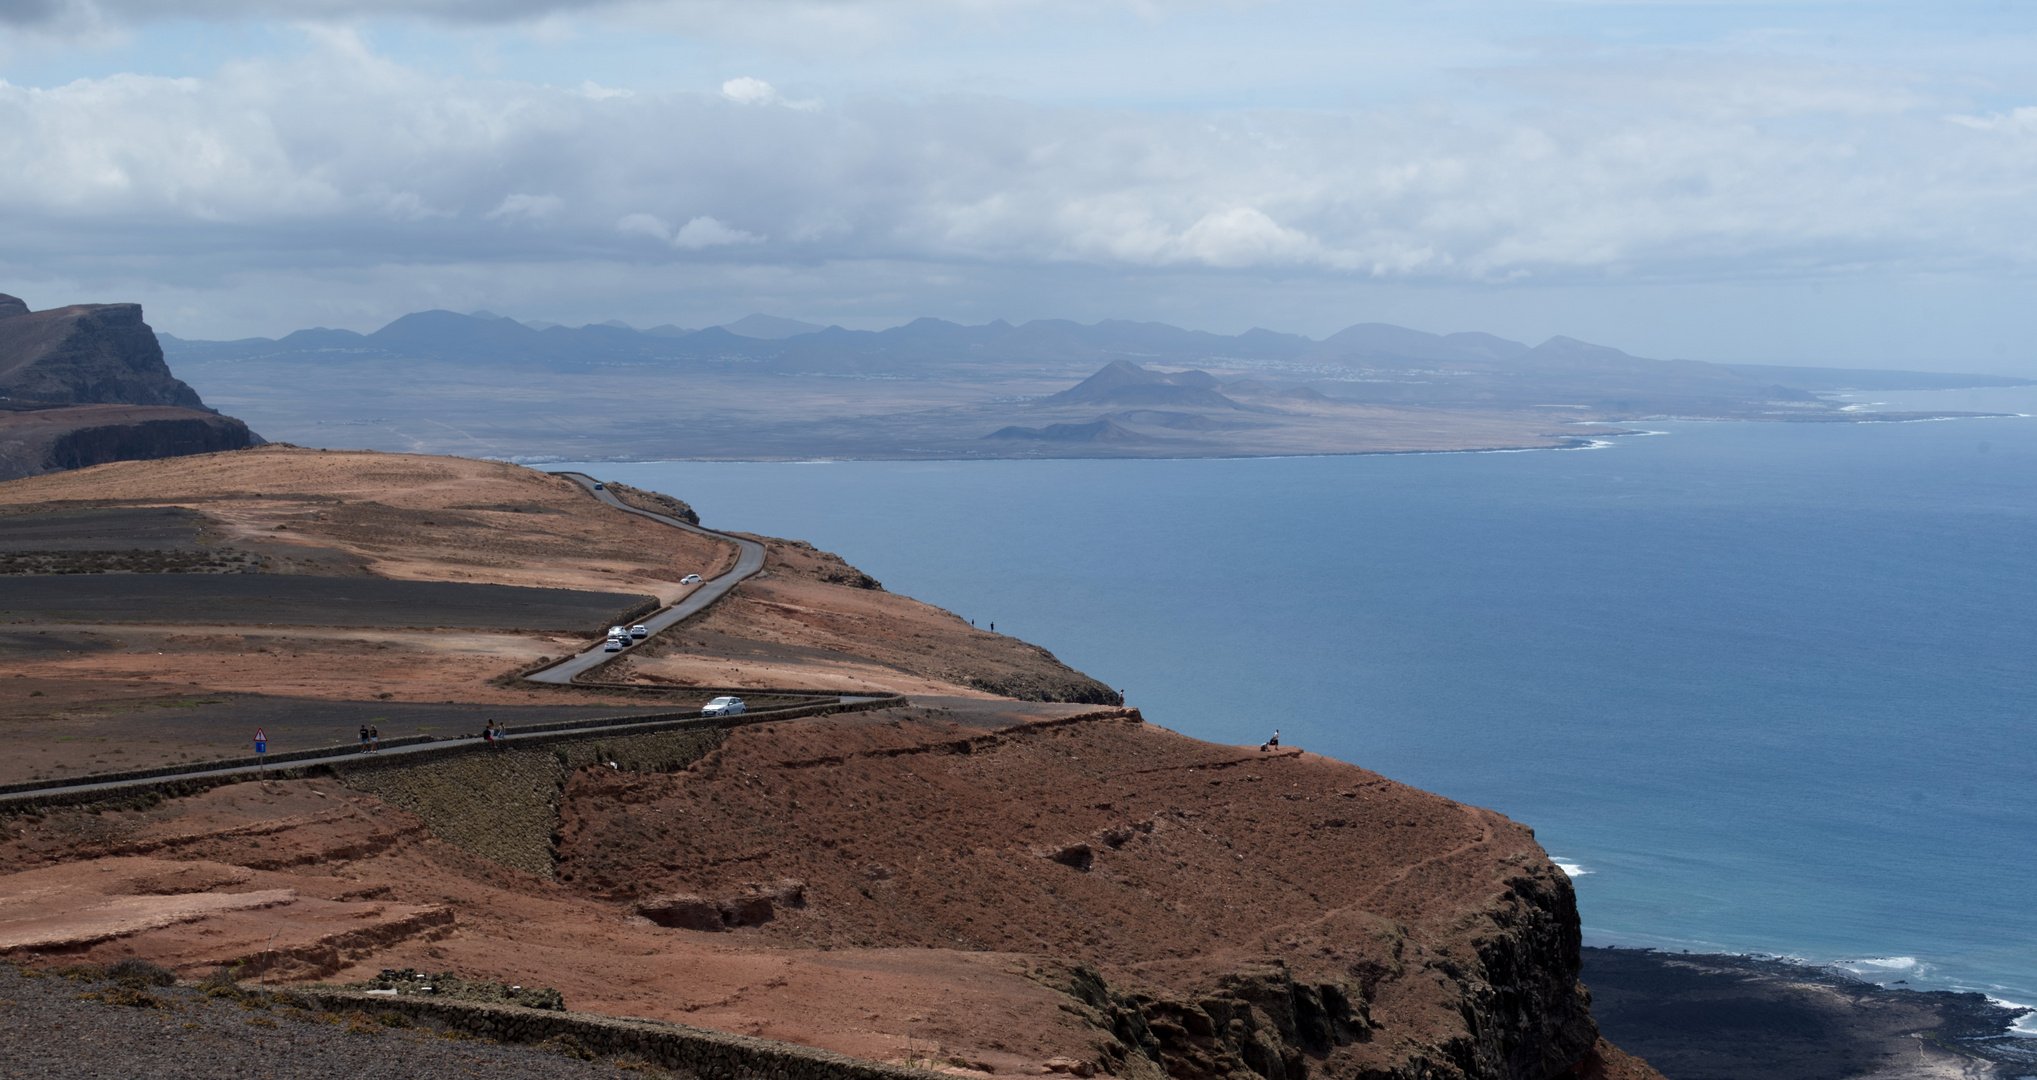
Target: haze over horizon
[(1843, 184)]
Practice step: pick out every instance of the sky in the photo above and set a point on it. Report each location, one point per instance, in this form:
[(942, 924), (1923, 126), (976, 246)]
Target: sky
[(1841, 182)]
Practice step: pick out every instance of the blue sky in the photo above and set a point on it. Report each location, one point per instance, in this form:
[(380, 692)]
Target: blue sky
[(1838, 182)]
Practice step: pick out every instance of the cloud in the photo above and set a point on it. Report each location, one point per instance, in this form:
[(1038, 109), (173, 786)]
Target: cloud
[(650, 225), (518, 206), (748, 91), (701, 232), (368, 162), (706, 232)]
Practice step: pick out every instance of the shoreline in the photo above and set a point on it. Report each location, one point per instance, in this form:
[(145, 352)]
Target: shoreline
[(1594, 441), (1717, 1016)]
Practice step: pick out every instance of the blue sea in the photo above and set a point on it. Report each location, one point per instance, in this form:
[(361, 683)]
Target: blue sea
[(1761, 687)]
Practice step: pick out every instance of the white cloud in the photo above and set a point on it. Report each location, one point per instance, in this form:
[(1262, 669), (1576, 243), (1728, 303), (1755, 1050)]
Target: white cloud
[(748, 91), (644, 225), (706, 232), (371, 162), (518, 206)]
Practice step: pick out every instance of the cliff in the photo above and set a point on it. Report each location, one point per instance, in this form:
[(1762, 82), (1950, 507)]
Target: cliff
[(1209, 911), (41, 439), (87, 384), (85, 353), (984, 884)]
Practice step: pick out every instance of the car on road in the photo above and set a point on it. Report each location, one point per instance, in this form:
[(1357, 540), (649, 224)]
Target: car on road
[(615, 644), (639, 632), (599, 486), (723, 706), (690, 579), (618, 631)]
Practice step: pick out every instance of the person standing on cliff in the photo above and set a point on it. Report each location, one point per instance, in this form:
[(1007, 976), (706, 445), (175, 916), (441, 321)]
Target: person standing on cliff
[(1272, 743)]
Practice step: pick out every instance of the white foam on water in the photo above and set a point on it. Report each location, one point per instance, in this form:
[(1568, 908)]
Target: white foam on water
[(1884, 963), (1571, 869), (1881, 969), (2026, 1024)]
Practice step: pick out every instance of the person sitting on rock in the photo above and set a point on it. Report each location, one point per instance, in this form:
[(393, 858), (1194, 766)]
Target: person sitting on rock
[(1272, 743)]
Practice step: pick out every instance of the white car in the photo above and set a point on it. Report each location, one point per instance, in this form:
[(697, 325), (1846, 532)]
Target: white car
[(722, 706), (618, 631), (639, 632), (690, 579), (614, 645)]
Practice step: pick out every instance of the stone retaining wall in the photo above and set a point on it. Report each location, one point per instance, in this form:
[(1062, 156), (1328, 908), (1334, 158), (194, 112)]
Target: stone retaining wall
[(152, 786), (503, 804), (708, 1055)]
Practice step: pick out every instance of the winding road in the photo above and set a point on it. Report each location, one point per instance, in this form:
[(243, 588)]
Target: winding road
[(749, 560)]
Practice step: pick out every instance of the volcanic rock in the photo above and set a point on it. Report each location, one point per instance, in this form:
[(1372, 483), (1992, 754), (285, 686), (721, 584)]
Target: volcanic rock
[(85, 353)]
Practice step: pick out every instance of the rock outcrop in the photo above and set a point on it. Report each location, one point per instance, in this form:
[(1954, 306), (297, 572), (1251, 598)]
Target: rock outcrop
[(1208, 912), (87, 384), (85, 354), (41, 439)]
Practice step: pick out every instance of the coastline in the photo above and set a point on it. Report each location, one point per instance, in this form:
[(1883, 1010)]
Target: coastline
[(1720, 1016)]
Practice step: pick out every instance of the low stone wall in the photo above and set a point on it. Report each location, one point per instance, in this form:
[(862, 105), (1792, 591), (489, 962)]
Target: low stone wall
[(146, 787), (708, 1055), (503, 803)]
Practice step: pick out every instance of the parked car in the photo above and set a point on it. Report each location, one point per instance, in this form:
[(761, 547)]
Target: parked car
[(639, 631), (723, 706), (690, 579), (614, 645)]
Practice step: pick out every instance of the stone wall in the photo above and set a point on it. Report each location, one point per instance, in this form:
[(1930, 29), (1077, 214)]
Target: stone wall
[(503, 804)]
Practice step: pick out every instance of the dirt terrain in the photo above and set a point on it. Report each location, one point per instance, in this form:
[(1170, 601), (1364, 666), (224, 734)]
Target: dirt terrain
[(813, 620), (991, 884), (390, 523), (993, 906)]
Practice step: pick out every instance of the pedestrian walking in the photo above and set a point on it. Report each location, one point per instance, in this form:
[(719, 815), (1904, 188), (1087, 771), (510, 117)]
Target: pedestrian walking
[(374, 739), (1272, 743), (364, 738)]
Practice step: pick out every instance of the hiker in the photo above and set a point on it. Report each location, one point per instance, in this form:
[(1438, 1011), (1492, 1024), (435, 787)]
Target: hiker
[(364, 738), (374, 739), (1272, 743)]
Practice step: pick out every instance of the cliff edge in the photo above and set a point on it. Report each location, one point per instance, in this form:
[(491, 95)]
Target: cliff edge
[(87, 384), (86, 354), (999, 877)]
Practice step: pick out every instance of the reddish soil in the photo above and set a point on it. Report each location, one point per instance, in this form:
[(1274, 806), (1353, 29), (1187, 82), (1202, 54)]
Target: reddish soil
[(973, 880), (932, 918), (811, 619)]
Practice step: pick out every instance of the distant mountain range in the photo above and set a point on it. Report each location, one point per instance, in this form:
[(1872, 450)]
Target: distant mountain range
[(1368, 361)]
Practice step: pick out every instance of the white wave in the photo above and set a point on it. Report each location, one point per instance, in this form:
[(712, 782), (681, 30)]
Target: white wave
[(1570, 869), (2024, 1025), (1882, 963)]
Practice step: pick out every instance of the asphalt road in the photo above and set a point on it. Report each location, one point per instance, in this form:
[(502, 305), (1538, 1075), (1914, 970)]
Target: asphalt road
[(749, 560)]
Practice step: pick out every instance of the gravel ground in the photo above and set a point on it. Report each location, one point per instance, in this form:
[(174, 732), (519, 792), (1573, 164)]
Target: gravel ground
[(50, 1027)]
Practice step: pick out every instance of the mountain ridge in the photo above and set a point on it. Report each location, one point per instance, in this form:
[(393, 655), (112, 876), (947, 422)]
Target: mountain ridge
[(789, 345)]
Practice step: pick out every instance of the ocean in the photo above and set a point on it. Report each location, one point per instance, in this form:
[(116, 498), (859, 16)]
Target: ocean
[(1761, 688)]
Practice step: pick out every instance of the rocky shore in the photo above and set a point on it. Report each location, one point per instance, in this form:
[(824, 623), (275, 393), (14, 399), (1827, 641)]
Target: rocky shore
[(1724, 1017)]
